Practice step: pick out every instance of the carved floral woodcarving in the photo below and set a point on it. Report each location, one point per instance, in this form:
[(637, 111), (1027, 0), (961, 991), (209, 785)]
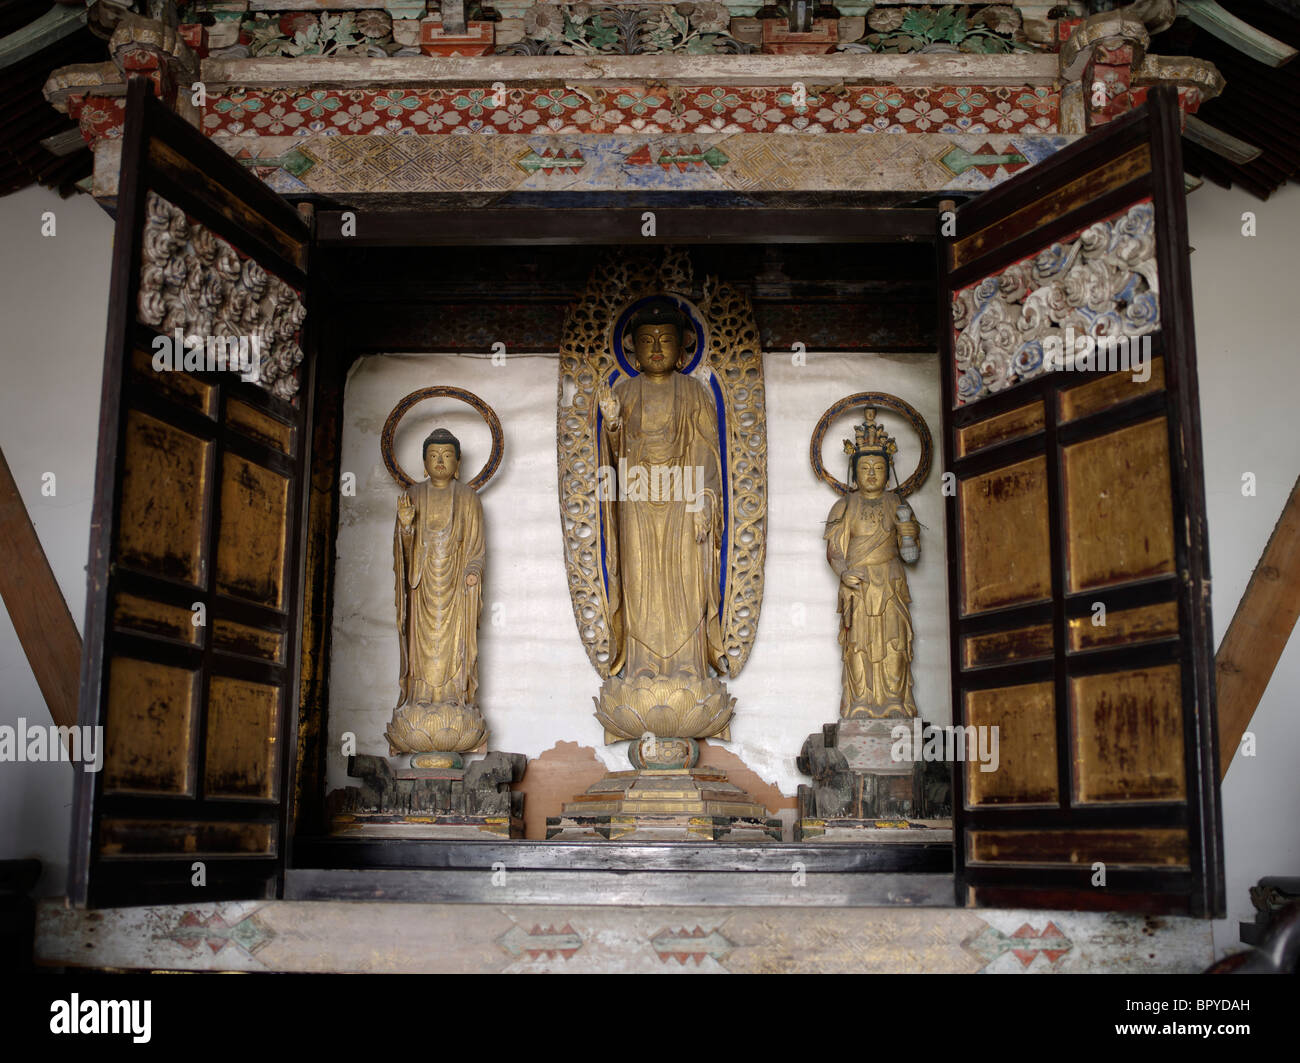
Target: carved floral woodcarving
[(1100, 283), (196, 282)]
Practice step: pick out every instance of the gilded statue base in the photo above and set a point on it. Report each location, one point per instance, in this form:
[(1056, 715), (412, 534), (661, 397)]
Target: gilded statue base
[(664, 804), (440, 727), (677, 704), (861, 794), (436, 802)]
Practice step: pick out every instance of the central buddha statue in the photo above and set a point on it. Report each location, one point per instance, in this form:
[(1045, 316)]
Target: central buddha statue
[(662, 531)]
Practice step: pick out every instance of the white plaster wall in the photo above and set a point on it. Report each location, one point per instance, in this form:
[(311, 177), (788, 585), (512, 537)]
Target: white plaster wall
[(1244, 292), (53, 300), (53, 295), (536, 682)]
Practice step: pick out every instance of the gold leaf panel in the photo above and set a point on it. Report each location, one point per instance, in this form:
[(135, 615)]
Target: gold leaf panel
[(1025, 717), (1002, 647), (243, 721), (260, 426), (1119, 514), (1146, 623), (149, 728), (148, 617), (163, 509), (254, 519), (1014, 424), (125, 838), (230, 637), (1006, 556), (1141, 847), (1128, 736), (1110, 390)]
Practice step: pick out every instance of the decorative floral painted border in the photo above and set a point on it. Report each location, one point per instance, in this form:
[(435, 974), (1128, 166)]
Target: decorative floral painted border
[(1100, 281), (634, 109)]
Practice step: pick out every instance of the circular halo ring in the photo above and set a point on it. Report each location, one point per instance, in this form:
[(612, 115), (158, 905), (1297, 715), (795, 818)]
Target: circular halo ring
[(694, 319), (883, 401), (441, 391)]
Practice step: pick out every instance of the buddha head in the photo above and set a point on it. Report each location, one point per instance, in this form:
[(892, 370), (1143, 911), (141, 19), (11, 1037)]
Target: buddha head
[(658, 330), (441, 456)]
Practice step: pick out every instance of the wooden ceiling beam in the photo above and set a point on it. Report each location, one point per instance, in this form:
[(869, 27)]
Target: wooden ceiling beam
[(36, 605), (1259, 631)]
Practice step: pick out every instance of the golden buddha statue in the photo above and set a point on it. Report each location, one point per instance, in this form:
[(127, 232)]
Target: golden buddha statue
[(870, 534), (438, 555), (663, 537)]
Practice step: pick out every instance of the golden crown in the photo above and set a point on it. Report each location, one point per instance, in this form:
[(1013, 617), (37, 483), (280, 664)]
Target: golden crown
[(870, 438)]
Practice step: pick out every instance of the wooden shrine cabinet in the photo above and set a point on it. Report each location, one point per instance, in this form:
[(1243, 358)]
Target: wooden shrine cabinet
[(1068, 490)]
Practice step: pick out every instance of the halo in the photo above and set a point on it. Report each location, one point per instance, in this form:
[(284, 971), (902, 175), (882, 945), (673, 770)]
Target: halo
[(885, 402), (440, 391), (695, 330)]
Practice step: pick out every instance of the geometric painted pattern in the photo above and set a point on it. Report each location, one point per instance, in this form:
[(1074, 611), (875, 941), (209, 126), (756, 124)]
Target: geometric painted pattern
[(322, 936), (639, 109), (1025, 943)]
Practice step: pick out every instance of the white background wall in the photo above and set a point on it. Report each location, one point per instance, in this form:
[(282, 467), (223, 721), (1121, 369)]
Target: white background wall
[(53, 295)]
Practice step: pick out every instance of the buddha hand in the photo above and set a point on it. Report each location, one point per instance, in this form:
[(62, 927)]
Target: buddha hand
[(405, 510)]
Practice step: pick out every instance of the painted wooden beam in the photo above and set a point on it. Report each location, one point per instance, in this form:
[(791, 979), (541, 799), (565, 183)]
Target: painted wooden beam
[(1259, 630), (59, 21), (1028, 68), (1234, 149), (36, 605), (1209, 16)]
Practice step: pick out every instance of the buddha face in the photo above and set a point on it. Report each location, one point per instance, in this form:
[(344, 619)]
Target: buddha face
[(441, 463), (872, 474), (657, 349)]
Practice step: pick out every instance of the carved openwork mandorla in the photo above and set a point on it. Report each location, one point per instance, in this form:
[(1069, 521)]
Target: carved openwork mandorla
[(731, 368)]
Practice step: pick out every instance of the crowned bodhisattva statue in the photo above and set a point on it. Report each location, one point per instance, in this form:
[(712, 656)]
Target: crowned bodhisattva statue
[(860, 791), (870, 535), (438, 555)]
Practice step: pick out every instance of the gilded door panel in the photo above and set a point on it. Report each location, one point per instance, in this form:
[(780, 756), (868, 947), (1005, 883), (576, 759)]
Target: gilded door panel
[(1118, 848), (164, 499), (1109, 391), (998, 647), (254, 525), (1122, 627), (243, 721), (1119, 515), (1001, 428), (1128, 736), (1006, 556), (149, 728), (1025, 771), (148, 617)]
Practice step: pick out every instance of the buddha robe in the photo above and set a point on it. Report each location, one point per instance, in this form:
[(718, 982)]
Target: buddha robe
[(437, 614), (662, 587), (875, 616)]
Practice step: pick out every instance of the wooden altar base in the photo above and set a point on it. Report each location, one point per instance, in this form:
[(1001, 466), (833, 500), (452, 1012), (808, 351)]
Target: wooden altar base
[(664, 804)]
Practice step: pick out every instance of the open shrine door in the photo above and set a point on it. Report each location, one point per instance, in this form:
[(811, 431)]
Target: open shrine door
[(1078, 569), (192, 615)]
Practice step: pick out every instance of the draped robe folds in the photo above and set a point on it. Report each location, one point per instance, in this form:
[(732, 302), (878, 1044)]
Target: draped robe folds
[(437, 614), (875, 616), (662, 584)]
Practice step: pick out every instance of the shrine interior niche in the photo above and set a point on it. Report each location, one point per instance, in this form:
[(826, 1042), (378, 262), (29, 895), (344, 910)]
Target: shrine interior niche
[(446, 630)]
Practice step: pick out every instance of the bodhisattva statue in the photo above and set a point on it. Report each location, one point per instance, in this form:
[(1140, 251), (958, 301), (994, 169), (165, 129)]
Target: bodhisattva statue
[(870, 534), (663, 536), (438, 554)]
